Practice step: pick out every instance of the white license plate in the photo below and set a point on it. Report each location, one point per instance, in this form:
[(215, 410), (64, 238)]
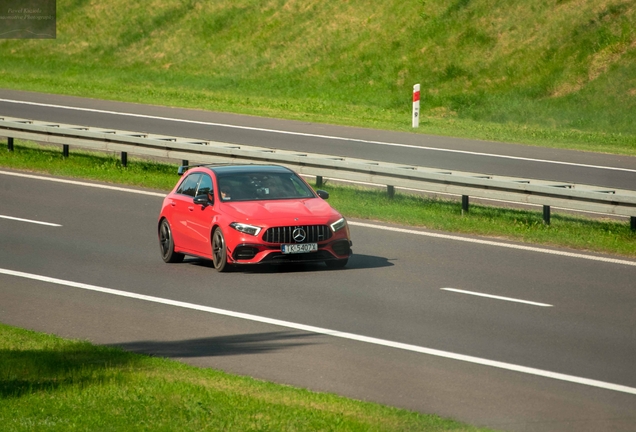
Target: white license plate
[(299, 248)]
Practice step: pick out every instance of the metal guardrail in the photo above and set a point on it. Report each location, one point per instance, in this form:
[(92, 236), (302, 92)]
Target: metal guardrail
[(517, 190)]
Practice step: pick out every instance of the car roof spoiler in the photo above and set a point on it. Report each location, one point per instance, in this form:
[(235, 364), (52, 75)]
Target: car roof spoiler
[(183, 168)]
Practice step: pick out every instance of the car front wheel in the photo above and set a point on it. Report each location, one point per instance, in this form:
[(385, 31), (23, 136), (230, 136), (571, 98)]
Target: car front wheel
[(166, 244), (219, 251)]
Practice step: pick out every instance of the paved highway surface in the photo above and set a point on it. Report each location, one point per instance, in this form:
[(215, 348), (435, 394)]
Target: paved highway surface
[(514, 338), (554, 351)]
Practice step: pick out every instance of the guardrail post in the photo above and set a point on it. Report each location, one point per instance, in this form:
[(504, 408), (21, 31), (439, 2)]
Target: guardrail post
[(318, 181), (10, 143), (546, 214), (65, 150), (632, 222), (124, 159), (464, 204), (391, 191)]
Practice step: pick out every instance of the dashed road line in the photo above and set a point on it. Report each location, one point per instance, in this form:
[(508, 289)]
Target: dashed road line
[(29, 221), (510, 299)]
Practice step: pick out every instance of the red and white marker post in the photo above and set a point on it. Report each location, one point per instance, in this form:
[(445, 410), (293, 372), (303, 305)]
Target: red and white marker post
[(416, 105)]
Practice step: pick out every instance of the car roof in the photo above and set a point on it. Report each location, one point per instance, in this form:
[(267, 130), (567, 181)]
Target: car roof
[(243, 169)]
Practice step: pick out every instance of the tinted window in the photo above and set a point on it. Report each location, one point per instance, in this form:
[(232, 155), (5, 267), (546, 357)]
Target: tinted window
[(205, 185), (189, 185)]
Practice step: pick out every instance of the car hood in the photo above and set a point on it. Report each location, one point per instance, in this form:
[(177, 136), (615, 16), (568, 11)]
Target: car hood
[(285, 212)]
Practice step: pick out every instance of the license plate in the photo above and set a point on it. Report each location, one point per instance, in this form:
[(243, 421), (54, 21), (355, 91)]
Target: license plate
[(299, 248)]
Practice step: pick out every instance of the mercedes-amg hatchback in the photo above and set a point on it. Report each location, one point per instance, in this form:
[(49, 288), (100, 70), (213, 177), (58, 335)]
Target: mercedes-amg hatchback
[(250, 214)]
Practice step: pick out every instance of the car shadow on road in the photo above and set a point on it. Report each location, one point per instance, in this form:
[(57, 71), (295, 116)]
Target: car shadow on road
[(252, 343), (356, 262)]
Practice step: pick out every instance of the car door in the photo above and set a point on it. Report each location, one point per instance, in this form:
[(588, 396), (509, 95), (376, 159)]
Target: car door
[(200, 218), (182, 205)]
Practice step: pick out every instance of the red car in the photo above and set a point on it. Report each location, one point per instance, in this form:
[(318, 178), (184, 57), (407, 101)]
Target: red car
[(250, 214)]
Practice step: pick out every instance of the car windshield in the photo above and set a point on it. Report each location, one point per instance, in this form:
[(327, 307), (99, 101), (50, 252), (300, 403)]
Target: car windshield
[(262, 186)]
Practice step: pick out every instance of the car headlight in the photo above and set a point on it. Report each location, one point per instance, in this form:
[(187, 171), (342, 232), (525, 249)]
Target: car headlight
[(247, 229), (338, 225)]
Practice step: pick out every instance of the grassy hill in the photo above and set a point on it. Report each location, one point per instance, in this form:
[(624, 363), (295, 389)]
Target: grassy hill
[(551, 72)]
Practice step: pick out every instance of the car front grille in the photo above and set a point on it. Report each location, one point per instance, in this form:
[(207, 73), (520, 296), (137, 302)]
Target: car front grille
[(313, 234)]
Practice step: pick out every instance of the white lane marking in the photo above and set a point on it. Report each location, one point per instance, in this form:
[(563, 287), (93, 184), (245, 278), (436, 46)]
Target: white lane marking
[(494, 243), (333, 333), (81, 183), (30, 221), (361, 224), (496, 297), (382, 143)]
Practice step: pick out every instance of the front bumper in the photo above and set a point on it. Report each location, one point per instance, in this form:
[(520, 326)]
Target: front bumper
[(253, 253)]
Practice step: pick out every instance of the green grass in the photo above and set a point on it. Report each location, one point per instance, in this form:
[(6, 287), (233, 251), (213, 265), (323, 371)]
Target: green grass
[(53, 384), (557, 73), (597, 235)]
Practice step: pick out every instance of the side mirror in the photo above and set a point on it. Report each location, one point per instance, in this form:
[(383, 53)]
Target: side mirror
[(202, 200), (322, 194)]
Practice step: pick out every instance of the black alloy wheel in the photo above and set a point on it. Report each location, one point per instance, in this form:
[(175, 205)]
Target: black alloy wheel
[(219, 251), (166, 244)]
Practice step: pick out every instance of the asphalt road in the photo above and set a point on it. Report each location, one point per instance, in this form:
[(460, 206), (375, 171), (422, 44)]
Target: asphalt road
[(408, 148), (510, 365), (391, 290)]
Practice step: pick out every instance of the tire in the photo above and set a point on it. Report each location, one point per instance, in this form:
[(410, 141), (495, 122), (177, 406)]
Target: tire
[(337, 264), (166, 244), (219, 251)]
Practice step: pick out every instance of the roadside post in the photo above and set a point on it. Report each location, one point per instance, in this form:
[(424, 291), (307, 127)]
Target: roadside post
[(416, 105)]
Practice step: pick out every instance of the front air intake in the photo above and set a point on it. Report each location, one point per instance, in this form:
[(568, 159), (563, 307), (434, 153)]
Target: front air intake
[(244, 253)]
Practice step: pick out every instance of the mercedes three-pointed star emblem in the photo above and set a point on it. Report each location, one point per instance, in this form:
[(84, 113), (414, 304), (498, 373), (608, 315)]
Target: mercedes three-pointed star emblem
[(299, 235)]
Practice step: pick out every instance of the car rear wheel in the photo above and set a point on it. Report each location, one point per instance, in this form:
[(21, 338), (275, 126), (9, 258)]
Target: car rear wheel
[(219, 251), (166, 244), (337, 264)]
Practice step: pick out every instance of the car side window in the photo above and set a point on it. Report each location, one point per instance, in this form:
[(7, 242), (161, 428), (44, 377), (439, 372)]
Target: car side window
[(189, 185), (301, 188), (205, 185)]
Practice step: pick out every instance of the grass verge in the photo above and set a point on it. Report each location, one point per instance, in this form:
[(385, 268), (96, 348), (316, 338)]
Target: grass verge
[(50, 383), (597, 235), (326, 112), (557, 73)]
